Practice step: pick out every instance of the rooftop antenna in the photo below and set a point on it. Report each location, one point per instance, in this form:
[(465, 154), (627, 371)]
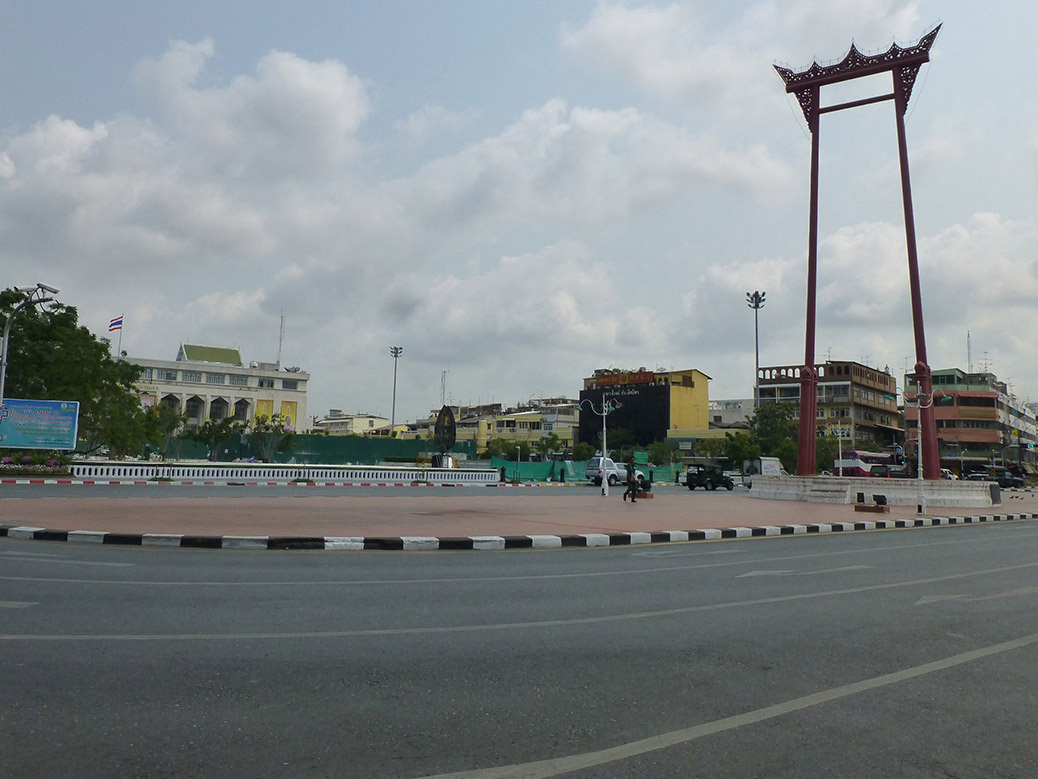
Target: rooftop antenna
[(281, 338), (443, 387), (969, 356)]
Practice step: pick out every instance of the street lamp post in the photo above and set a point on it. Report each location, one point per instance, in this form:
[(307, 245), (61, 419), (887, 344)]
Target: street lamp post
[(35, 296), (755, 300), (395, 351), (921, 402), (611, 405)]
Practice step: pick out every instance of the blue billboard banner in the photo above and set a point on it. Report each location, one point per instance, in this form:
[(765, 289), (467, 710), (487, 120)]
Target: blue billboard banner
[(38, 424)]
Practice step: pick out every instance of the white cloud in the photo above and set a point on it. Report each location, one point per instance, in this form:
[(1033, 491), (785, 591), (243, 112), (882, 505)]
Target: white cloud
[(293, 119), (576, 234), (720, 71), (428, 121)]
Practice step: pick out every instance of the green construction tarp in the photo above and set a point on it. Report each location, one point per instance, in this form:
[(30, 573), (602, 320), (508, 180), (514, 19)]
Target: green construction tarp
[(570, 470)]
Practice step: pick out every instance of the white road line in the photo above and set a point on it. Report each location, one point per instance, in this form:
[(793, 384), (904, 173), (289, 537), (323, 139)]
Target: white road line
[(552, 623), (491, 579), (786, 572), (70, 561), (544, 769), (16, 604), (806, 573), (1021, 591)]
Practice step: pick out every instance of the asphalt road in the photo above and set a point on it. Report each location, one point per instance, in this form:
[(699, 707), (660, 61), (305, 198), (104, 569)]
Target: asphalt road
[(894, 653)]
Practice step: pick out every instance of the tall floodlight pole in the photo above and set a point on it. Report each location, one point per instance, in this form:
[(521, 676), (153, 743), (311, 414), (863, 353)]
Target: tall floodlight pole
[(395, 351), (755, 300), (35, 296), (903, 65)]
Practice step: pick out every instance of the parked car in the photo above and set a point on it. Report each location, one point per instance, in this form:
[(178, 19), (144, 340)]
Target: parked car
[(709, 477), (1002, 476), (947, 474), (599, 468)]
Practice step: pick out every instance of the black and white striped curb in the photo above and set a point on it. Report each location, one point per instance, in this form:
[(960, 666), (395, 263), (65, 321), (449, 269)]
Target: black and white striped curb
[(484, 543)]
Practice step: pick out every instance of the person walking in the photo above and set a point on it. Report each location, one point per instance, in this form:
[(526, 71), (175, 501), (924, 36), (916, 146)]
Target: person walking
[(632, 480)]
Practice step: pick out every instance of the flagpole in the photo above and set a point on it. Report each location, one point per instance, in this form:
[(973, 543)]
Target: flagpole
[(117, 324)]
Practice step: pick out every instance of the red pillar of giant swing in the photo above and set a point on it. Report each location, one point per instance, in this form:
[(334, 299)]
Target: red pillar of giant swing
[(808, 375), (929, 458)]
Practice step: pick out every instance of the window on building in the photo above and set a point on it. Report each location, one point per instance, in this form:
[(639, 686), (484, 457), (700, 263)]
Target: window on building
[(146, 374), (266, 383), (984, 402), (191, 376), (166, 375), (215, 378), (290, 384), (238, 381)]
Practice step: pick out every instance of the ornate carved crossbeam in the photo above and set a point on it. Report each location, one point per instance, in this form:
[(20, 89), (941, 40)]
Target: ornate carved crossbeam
[(904, 61)]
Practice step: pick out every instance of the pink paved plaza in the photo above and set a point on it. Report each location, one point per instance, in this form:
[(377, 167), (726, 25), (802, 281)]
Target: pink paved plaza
[(461, 512)]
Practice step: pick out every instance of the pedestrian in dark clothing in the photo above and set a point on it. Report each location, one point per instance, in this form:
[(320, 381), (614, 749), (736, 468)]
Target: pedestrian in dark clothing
[(632, 481)]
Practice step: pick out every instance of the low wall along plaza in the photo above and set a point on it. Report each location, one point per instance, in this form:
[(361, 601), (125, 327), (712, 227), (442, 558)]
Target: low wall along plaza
[(891, 492)]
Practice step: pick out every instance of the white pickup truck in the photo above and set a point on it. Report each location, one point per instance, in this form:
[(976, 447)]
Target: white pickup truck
[(599, 468)]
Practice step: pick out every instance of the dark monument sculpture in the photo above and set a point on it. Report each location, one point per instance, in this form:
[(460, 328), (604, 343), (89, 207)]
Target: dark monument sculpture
[(445, 432), (903, 64)]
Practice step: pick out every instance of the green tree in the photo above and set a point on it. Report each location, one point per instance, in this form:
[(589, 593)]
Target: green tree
[(583, 451), (52, 357), (786, 451), (770, 425), (663, 452), (738, 448), (505, 449), (827, 448), (548, 444), (165, 423), (711, 447), (270, 434), (619, 440), (213, 432)]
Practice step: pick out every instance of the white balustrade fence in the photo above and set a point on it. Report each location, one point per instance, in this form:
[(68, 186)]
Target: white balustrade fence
[(282, 473)]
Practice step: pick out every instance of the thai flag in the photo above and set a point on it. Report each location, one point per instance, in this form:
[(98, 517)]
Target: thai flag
[(116, 324)]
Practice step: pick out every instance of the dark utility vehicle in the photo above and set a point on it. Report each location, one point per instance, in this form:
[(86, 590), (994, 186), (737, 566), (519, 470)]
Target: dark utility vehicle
[(708, 477), (1003, 476)]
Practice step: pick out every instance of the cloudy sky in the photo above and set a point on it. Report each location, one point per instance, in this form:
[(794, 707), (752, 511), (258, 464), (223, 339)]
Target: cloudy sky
[(517, 193)]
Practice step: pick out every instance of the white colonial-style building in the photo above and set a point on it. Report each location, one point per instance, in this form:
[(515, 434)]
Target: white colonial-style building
[(210, 382)]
